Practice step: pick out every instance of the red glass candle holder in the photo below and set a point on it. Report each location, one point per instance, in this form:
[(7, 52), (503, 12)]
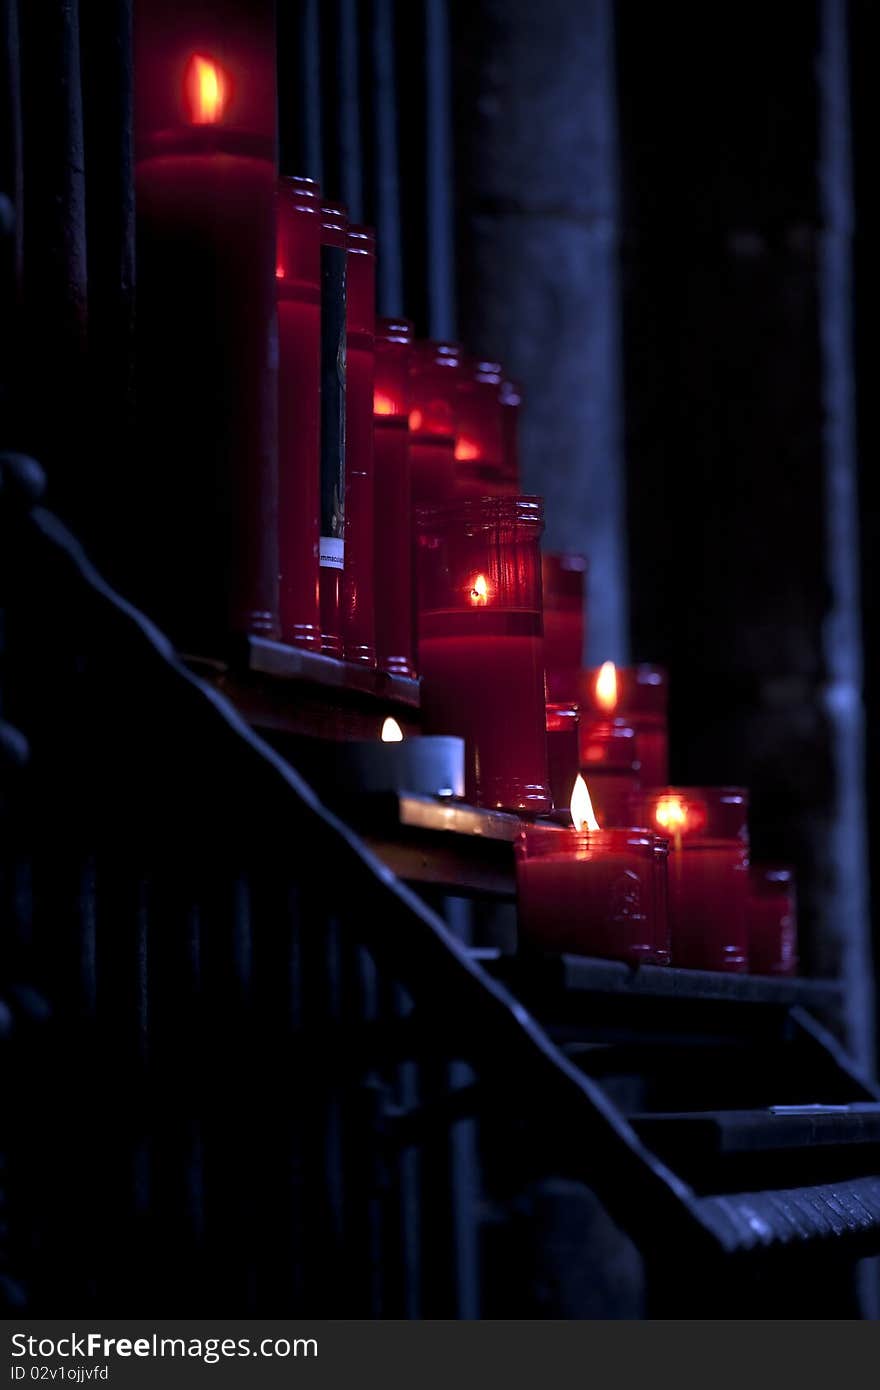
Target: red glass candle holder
[(772, 920), (592, 893), (564, 578), (640, 695), (480, 648), (334, 378), (206, 368), (358, 596), (707, 829), (610, 764), (298, 273), (510, 397), (435, 372), (563, 749), (395, 579), (479, 440)]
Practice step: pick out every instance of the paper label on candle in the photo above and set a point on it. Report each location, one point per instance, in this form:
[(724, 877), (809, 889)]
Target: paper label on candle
[(333, 328)]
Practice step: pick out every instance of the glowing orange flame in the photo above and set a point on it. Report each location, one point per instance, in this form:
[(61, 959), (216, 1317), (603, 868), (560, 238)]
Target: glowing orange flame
[(670, 813), (479, 594), (606, 687), (391, 731), (582, 814), (465, 451), (279, 271), (207, 88), (416, 419), (382, 405)]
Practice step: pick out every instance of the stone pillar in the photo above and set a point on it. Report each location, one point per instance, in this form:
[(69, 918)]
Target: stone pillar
[(536, 167)]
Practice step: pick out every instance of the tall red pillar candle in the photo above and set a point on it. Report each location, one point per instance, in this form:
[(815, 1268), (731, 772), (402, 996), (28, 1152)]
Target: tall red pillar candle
[(708, 872), (590, 892), (395, 580), (298, 272), (638, 694), (563, 750), (609, 761), (332, 531), (511, 398), (772, 920), (481, 653), (565, 582), (479, 441), (207, 351), (434, 377), (358, 602)]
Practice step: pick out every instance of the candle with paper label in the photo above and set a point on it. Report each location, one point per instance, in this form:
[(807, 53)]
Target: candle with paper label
[(638, 694), (435, 372), (358, 594), (772, 920), (565, 580), (206, 369), (707, 829), (334, 307), (590, 891), (394, 570), (480, 645), (298, 273)]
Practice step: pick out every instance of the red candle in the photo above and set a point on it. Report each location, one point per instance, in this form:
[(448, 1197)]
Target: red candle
[(772, 920), (480, 648), (207, 327), (298, 272), (395, 579), (434, 377), (331, 553), (609, 759), (565, 578), (479, 440), (358, 601), (510, 397), (563, 751), (708, 872), (592, 893), (638, 694)]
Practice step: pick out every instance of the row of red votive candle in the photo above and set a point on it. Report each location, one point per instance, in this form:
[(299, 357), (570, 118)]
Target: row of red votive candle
[(698, 903), (372, 424)]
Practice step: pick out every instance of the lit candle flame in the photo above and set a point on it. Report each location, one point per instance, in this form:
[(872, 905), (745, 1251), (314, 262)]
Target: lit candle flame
[(606, 687), (670, 813), (382, 405), (582, 814), (207, 88), (391, 731), (416, 419), (465, 451), (479, 594)]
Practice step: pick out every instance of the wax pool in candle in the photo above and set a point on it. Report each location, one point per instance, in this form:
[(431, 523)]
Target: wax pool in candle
[(298, 272), (480, 646), (395, 578), (592, 893), (772, 920), (609, 758), (708, 872), (207, 340), (638, 694), (358, 601)]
